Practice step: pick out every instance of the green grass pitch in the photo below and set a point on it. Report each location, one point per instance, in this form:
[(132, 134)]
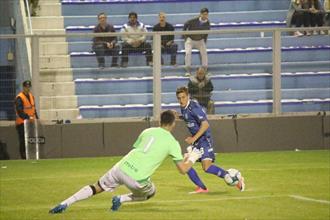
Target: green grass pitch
[(279, 185)]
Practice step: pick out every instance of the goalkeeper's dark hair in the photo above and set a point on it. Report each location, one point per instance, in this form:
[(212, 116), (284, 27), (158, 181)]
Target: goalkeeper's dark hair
[(167, 118)]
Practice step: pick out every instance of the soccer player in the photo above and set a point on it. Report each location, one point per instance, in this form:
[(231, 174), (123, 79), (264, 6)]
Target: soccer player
[(135, 169), (198, 125)]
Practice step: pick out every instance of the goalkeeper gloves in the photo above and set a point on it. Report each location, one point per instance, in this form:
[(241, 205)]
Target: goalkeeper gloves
[(195, 154)]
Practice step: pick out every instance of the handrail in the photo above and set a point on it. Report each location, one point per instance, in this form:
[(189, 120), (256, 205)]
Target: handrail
[(29, 16), (226, 31)]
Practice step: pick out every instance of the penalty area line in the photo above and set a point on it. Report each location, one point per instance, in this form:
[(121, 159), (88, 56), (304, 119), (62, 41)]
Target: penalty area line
[(309, 199)]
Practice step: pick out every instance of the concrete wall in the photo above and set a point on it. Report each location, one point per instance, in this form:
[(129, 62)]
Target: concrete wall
[(84, 139)]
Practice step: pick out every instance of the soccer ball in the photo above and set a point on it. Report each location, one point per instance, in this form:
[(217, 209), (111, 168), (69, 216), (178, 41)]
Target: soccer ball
[(232, 177)]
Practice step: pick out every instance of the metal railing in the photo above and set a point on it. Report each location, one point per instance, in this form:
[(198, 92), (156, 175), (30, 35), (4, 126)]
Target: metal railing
[(156, 36)]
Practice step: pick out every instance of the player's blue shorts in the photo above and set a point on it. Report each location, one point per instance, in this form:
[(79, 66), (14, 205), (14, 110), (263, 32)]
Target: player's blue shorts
[(206, 144)]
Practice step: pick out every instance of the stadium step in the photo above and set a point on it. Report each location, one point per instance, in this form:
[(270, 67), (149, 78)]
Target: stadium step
[(218, 95), (220, 82), (229, 55), (181, 18), (222, 43), (228, 107), (114, 7)]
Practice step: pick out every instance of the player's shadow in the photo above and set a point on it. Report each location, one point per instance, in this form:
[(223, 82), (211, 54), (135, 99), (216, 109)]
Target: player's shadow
[(158, 207), (190, 190)]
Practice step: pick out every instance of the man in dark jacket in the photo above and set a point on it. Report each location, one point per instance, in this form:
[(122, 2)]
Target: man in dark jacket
[(168, 45), (105, 46), (197, 41), (200, 88)]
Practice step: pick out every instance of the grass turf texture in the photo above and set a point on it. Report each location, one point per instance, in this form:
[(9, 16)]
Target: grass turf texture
[(279, 186)]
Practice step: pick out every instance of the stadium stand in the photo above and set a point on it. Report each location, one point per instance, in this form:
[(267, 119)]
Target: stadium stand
[(240, 64)]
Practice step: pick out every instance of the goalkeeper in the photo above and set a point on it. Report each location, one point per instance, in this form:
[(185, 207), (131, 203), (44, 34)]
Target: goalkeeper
[(135, 169)]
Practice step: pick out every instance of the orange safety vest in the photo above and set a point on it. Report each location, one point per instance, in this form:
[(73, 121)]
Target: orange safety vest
[(28, 107)]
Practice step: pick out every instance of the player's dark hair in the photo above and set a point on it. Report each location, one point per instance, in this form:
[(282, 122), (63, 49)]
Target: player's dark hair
[(132, 13), (102, 13), (167, 118), (181, 90)]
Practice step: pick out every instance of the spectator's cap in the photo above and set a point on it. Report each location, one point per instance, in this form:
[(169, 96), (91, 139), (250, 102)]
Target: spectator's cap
[(27, 83), (203, 10)]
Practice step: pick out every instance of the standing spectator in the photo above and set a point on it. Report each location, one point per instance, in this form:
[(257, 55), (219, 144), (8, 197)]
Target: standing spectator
[(298, 15), (168, 45), (103, 46), (316, 11), (197, 41), (135, 42), (327, 13), (25, 110), (200, 88)]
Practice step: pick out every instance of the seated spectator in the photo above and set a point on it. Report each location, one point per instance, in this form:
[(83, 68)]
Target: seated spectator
[(200, 88), (167, 44), (298, 15), (316, 11), (135, 42), (197, 41), (105, 46)]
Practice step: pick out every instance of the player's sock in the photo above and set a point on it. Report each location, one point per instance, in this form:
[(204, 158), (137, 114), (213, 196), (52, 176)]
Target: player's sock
[(126, 198), (195, 178), (83, 193), (213, 169)]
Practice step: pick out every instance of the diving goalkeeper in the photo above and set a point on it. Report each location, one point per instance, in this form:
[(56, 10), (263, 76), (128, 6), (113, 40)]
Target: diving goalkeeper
[(135, 169)]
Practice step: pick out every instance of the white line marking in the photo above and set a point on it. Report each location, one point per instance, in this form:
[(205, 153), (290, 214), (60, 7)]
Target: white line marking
[(309, 199)]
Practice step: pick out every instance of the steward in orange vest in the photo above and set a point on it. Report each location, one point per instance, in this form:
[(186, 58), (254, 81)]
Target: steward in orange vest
[(25, 109)]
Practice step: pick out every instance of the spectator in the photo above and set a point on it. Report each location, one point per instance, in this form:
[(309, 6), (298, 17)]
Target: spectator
[(200, 88), (34, 7), (168, 45), (197, 40), (25, 110), (327, 13), (316, 11), (298, 15), (103, 46), (135, 42)]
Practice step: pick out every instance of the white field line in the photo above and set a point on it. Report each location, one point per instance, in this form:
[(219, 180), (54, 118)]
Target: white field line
[(309, 199)]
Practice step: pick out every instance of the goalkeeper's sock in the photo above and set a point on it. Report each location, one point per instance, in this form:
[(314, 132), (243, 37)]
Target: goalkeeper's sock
[(213, 169), (83, 193), (195, 178)]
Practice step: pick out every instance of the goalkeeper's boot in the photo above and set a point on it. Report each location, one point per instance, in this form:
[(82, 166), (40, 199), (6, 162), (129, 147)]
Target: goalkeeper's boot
[(241, 185), (115, 203), (58, 209), (199, 190)]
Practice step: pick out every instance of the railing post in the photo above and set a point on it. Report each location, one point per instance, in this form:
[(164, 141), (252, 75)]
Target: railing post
[(35, 72), (277, 72), (157, 85)]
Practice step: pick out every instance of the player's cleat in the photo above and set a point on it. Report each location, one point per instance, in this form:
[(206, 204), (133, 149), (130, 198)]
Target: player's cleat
[(58, 209), (115, 203), (199, 190), (241, 185)]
